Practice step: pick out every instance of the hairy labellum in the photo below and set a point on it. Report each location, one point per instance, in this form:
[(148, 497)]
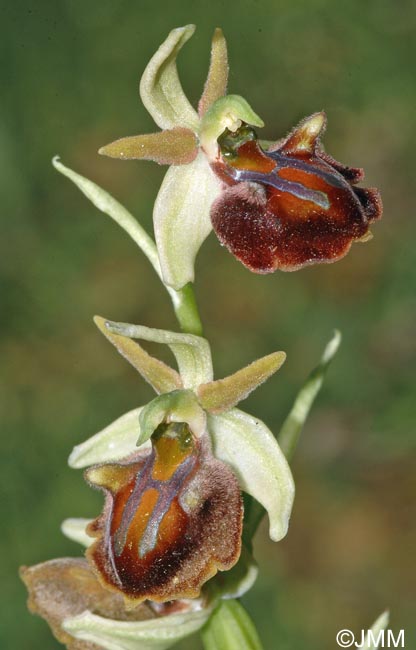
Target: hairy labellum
[(171, 518), (292, 205)]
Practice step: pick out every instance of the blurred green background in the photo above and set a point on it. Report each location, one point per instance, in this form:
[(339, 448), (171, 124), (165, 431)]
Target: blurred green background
[(69, 74)]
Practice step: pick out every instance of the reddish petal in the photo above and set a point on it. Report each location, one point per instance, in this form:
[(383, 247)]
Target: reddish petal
[(351, 174)]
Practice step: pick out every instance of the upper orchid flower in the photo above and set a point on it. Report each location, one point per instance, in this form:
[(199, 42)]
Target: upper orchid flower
[(292, 205), (281, 208), (188, 142)]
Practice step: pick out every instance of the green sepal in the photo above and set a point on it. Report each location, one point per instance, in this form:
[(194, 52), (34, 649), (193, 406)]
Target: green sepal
[(159, 375), (160, 89), (193, 353), (114, 442), (156, 634), (249, 447)]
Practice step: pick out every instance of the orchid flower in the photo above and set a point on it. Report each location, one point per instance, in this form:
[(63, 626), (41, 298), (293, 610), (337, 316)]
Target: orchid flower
[(172, 471), (281, 206)]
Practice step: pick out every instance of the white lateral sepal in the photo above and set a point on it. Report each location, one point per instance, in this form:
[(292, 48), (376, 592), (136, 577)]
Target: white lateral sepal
[(249, 447)]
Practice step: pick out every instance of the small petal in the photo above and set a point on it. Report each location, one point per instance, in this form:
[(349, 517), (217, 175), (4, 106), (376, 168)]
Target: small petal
[(222, 394), (65, 588), (158, 634), (75, 529), (251, 450), (170, 147), (159, 375), (178, 406), (291, 429), (160, 88), (351, 174), (181, 218), (305, 136), (170, 521), (216, 83), (116, 441), (192, 353), (230, 628)]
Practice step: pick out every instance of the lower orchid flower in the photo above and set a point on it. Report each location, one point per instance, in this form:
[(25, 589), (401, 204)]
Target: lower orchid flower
[(172, 472), (173, 512)]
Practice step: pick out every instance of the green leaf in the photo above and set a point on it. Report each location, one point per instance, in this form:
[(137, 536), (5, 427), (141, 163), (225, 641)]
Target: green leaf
[(178, 406), (292, 426), (216, 83), (116, 441), (181, 218), (249, 447), (192, 353), (374, 635), (230, 628), (170, 147), (183, 300), (160, 88), (223, 394), (107, 204), (155, 634)]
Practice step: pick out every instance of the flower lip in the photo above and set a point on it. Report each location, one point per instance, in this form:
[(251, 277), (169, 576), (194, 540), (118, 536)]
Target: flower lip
[(171, 519), (292, 205)]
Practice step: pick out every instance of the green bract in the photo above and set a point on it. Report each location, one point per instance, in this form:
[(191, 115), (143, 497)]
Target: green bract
[(154, 634)]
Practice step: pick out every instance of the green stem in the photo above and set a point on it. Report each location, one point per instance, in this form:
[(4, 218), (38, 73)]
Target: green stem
[(186, 309)]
